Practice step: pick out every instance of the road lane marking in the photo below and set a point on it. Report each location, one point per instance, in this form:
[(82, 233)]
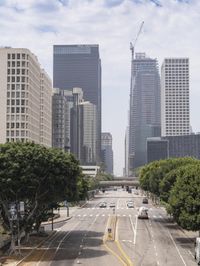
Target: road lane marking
[(120, 247), (135, 232), (109, 249), (177, 248), (132, 226)]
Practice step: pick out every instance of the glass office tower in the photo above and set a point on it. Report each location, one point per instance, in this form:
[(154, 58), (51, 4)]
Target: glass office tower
[(80, 66), (144, 113)]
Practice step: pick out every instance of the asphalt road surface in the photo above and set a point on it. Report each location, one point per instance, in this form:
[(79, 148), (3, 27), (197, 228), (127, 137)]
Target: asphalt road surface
[(84, 239)]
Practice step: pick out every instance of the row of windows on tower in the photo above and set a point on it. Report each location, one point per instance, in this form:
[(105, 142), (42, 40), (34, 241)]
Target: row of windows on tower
[(17, 125), (17, 64), (17, 110), (17, 94), (17, 79), (18, 56), (17, 102), (18, 71)]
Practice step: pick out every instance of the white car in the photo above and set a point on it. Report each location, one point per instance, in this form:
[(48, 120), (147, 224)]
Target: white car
[(103, 205), (130, 204), (143, 213)]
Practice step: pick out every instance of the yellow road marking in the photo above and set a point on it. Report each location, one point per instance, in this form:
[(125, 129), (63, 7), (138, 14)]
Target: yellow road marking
[(121, 249), (109, 249)]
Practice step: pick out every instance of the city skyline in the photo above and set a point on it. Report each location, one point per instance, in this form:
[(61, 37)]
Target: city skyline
[(167, 32)]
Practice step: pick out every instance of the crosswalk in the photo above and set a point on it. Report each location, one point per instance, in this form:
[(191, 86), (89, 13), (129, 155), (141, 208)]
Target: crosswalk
[(108, 208), (118, 215)]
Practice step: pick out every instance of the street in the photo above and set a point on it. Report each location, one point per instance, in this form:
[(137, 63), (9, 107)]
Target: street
[(84, 239)]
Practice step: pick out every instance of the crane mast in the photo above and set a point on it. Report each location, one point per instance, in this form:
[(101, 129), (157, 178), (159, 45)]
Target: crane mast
[(132, 45)]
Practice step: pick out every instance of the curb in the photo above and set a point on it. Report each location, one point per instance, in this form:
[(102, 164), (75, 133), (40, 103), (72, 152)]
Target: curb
[(56, 222)]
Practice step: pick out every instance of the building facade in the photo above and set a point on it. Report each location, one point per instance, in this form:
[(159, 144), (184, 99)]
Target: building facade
[(107, 152), (25, 102), (173, 147), (80, 66), (74, 125), (62, 102), (175, 108), (144, 112)]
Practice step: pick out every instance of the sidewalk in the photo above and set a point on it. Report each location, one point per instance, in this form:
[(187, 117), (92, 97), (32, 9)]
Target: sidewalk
[(62, 215)]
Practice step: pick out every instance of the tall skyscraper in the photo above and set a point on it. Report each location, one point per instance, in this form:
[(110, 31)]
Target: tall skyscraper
[(107, 151), (80, 66), (144, 113), (175, 111), (62, 102), (25, 102), (74, 125)]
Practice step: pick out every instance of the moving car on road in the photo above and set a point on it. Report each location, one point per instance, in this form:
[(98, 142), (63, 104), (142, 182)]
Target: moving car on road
[(143, 213), (145, 201), (130, 204), (103, 205)]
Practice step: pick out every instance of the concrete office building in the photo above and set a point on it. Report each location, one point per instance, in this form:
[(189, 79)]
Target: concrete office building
[(62, 102), (87, 133), (25, 102), (74, 124), (144, 116), (175, 109), (107, 151), (126, 154), (80, 66), (173, 147)]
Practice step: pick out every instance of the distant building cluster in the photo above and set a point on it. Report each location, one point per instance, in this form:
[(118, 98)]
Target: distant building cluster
[(159, 113), (65, 115)]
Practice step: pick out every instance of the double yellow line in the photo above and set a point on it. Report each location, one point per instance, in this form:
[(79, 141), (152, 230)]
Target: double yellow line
[(121, 256)]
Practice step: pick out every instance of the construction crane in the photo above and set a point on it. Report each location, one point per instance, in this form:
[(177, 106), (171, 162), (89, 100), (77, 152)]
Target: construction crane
[(132, 45)]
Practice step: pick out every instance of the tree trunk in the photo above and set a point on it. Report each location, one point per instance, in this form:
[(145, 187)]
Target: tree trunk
[(27, 236)]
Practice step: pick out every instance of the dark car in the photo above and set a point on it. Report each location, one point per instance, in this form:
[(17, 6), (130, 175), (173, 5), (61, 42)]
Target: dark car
[(145, 201)]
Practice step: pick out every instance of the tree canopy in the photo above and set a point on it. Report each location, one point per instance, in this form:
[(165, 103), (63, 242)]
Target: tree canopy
[(177, 182), (38, 176), (184, 198)]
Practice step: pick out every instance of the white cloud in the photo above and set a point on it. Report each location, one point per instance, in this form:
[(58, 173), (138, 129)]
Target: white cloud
[(170, 30)]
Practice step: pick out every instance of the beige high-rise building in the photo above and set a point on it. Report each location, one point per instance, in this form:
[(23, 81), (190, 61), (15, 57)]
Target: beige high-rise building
[(25, 102), (175, 109)]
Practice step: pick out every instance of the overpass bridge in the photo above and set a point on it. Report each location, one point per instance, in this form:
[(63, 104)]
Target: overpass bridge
[(121, 182)]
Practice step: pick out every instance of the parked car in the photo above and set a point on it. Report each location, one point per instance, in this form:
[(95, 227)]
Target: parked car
[(112, 205), (145, 201)]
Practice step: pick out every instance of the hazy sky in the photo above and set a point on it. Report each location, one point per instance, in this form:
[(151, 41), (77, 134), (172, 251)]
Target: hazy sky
[(171, 29)]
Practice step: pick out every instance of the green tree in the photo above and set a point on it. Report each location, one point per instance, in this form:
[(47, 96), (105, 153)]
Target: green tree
[(38, 176), (184, 198), (167, 183), (152, 174)]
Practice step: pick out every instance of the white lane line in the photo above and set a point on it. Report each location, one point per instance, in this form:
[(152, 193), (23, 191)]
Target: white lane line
[(124, 215), (91, 215), (84, 215), (191, 254), (117, 203), (103, 215), (177, 248), (135, 232)]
